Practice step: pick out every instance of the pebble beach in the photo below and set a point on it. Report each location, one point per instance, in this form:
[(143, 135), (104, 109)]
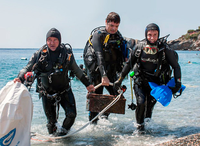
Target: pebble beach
[(191, 140)]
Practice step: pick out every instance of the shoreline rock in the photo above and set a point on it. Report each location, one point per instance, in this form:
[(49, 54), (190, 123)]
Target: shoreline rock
[(185, 44)]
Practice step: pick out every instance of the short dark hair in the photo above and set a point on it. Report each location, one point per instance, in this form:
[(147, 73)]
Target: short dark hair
[(113, 17)]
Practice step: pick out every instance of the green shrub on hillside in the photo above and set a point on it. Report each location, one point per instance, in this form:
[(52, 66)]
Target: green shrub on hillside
[(190, 31), (194, 36)]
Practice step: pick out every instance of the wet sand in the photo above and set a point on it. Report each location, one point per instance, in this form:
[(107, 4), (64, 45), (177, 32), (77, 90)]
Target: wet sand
[(190, 140)]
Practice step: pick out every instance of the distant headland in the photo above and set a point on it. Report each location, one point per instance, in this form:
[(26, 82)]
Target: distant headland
[(189, 41)]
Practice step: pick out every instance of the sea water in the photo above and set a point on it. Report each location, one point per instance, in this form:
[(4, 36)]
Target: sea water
[(180, 118)]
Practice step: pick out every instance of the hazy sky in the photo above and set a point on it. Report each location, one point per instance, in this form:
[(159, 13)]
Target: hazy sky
[(24, 23)]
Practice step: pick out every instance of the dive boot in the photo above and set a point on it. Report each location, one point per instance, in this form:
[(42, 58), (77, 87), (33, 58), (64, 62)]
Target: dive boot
[(61, 132), (140, 129)]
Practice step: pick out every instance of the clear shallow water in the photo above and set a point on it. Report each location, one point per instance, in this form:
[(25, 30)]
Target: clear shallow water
[(180, 118)]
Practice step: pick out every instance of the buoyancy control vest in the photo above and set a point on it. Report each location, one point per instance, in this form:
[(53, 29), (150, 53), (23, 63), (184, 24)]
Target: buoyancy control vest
[(114, 46), (52, 77), (161, 70)]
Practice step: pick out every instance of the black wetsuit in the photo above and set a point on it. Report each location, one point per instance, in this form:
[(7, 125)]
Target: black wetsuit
[(109, 60), (51, 68), (148, 62)]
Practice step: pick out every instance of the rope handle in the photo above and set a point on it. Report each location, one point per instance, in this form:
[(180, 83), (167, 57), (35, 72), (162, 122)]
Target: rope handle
[(99, 85)]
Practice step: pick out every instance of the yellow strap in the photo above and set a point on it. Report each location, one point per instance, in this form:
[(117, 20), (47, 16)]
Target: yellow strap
[(106, 39), (90, 40)]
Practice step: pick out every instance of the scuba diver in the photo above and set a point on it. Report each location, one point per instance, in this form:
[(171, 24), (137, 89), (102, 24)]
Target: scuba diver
[(151, 60), (51, 64), (104, 55)]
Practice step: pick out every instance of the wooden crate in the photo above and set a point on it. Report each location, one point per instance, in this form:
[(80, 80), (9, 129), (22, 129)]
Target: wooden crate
[(97, 102)]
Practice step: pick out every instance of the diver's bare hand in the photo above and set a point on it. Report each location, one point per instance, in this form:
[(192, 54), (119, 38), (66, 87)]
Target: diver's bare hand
[(90, 88), (17, 80)]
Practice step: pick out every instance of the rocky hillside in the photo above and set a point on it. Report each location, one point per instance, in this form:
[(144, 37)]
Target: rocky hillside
[(189, 41)]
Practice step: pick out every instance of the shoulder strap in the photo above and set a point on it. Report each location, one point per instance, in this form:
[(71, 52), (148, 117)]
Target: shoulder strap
[(137, 54), (42, 51), (159, 65), (162, 40), (138, 50), (106, 39)]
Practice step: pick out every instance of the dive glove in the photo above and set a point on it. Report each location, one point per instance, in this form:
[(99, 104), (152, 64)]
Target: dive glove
[(117, 84), (176, 87)]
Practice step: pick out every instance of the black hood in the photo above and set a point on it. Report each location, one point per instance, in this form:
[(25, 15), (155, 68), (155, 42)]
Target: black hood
[(54, 33), (152, 26)]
